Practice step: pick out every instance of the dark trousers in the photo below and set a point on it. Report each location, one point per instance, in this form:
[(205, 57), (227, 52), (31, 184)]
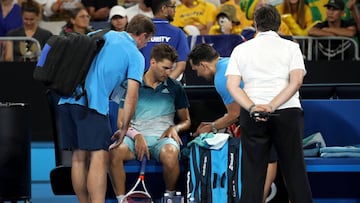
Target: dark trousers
[(286, 133)]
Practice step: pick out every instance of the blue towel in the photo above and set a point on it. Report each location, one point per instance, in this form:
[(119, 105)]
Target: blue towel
[(340, 154), (338, 149), (312, 151), (314, 138)]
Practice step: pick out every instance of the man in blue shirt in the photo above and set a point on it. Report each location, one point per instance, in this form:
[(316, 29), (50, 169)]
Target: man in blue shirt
[(153, 132), (84, 123), (164, 11), (207, 63)]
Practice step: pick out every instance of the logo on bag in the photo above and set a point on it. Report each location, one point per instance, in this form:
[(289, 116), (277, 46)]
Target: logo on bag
[(231, 164), (204, 166)]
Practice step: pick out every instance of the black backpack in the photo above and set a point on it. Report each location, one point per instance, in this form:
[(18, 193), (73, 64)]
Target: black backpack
[(65, 61)]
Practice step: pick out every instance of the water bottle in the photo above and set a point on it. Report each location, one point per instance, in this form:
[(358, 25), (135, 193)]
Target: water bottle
[(167, 198), (178, 198)]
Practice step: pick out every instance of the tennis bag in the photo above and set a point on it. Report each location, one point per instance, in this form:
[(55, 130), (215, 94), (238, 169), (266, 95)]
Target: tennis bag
[(215, 174), (65, 61)]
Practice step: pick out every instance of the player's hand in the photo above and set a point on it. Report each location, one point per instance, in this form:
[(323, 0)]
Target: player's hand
[(171, 133), (141, 147)]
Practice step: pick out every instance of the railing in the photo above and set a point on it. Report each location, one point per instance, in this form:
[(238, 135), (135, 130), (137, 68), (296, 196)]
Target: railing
[(313, 48), (24, 39), (328, 48)]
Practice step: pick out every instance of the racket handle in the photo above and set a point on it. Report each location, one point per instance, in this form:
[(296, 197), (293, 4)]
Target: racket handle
[(143, 165)]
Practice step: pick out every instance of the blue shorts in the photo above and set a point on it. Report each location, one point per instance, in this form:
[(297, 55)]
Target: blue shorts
[(154, 144), (83, 128)]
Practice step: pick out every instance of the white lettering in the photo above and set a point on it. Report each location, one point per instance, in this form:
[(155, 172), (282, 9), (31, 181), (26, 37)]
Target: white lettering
[(160, 39), (204, 166), (231, 164)]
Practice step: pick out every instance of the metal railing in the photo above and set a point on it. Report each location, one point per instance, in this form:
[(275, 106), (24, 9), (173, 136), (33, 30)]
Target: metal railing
[(25, 39), (328, 48)]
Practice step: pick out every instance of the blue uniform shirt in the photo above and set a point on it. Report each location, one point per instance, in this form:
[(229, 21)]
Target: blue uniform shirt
[(118, 60), (220, 81), (167, 33)]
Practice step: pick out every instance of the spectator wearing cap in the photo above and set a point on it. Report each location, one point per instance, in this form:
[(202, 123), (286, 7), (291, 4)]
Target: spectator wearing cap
[(118, 18), (226, 21), (334, 25)]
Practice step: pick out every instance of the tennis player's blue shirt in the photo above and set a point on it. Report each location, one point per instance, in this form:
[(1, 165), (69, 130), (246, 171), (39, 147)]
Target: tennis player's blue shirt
[(117, 61), (166, 33), (220, 81), (156, 108)]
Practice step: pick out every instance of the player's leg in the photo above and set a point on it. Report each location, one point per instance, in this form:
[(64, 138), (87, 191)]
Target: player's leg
[(117, 173)]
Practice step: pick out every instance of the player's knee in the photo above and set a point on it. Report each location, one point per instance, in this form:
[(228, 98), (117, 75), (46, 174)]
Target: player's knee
[(169, 155), (118, 155)]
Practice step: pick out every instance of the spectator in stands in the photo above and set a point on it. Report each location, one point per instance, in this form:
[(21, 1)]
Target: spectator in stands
[(164, 11), (99, 10), (335, 26), (10, 16), (118, 18), (139, 8), (55, 10), (249, 7), (208, 64), (84, 122), (79, 22), (196, 13), (239, 13), (226, 21), (27, 50), (273, 89), (153, 132), (297, 16)]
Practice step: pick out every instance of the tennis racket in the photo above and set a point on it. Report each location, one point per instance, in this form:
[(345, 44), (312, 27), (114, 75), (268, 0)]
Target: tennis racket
[(138, 196)]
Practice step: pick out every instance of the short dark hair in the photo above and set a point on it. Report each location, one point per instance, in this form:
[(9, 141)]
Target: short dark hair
[(163, 51), (202, 52), (267, 18), (140, 24), (30, 6)]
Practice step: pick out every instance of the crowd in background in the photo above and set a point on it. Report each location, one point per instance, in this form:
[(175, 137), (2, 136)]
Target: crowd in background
[(194, 17)]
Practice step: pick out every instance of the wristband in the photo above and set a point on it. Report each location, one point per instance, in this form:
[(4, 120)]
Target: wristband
[(131, 132), (251, 107)]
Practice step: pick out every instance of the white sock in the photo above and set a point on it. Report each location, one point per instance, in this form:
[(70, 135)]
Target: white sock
[(119, 198), (171, 193)]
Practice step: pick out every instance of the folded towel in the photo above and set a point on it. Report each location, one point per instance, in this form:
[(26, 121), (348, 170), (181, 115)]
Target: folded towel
[(314, 138), (312, 150), (340, 154), (338, 149)]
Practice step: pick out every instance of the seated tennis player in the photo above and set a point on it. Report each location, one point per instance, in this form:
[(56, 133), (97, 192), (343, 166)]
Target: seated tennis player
[(153, 132)]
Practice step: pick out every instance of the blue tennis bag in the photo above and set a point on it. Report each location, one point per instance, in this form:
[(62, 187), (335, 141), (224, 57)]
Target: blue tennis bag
[(215, 168)]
